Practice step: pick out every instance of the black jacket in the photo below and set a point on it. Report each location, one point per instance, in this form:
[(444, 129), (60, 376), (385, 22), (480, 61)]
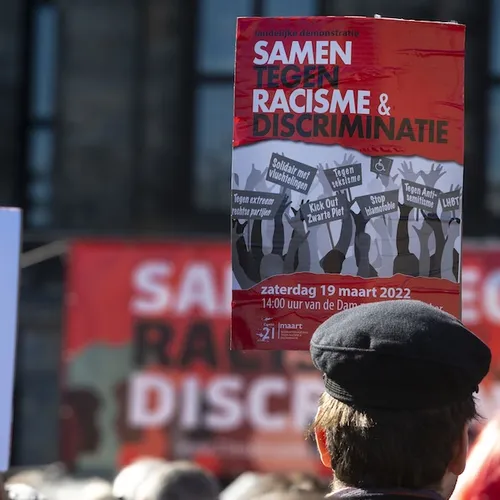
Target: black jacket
[(358, 494)]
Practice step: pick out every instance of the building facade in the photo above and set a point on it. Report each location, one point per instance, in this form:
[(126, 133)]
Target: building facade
[(117, 120)]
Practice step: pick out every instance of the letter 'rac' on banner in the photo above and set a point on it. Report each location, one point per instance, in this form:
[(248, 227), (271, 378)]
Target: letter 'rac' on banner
[(347, 181)]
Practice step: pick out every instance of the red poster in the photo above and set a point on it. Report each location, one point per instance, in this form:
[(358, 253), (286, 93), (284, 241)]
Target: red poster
[(347, 171), (481, 313), (148, 371)]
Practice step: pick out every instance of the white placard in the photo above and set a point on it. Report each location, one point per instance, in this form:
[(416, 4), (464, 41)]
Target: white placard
[(10, 247)]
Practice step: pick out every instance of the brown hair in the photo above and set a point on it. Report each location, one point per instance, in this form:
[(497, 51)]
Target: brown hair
[(379, 449)]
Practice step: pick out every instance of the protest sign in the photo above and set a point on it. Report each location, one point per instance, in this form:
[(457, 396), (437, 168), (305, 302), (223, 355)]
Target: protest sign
[(325, 210), (451, 201), (362, 160), (290, 173), (381, 165), (420, 196), (373, 205), (345, 177), (255, 205), (10, 248)]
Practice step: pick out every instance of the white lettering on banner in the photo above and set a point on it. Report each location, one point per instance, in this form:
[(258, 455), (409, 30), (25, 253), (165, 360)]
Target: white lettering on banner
[(316, 101), (231, 402), (480, 295), (258, 403), (491, 296), (470, 281), (198, 289), (142, 387), (192, 404), (147, 281), (222, 396), (321, 52)]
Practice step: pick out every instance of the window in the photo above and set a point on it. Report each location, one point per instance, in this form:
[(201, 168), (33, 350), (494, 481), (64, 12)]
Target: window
[(41, 115), (217, 28), (495, 38), (214, 93), (289, 8), (493, 151)]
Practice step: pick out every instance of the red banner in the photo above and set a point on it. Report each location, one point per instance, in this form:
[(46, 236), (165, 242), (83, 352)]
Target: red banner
[(347, 171), (366, 58), (148, 370)]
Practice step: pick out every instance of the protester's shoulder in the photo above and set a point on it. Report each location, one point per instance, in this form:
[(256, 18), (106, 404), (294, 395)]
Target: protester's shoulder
[(22, 492)]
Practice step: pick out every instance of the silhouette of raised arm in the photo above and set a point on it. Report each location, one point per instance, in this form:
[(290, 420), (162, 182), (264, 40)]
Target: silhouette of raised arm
[(279, 231), (430, 178), (423, 234), (434, 221), (240, 253), (404, 262), (256, 242), (448, 251), (347, 227), (363, 243), (402, 235), (254, 178), (386, 253), (298, 257)]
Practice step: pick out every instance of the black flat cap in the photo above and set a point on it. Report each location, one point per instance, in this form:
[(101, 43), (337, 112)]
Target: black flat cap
[(398, 355)]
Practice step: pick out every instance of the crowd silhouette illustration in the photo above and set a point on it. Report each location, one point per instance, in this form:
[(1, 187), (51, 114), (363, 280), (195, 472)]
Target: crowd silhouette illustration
[(408, 241)]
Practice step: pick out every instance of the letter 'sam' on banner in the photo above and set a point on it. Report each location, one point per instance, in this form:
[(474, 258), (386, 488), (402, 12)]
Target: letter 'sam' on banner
[(347, 174)]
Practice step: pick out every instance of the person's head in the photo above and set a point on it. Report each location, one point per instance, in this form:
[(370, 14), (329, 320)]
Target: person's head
[(133, 475), (399, 383), (16, 491), (180, 481), (249, 486), (29, 477), (292, 495), (413, 449), (96, 489)]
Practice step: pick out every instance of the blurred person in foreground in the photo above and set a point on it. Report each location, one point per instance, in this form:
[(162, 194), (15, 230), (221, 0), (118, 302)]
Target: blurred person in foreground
[(179, 481), (77, 489), (481, 478), (131, 477), (17, 491), (251, 486), (292, 495), (399, 383)]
